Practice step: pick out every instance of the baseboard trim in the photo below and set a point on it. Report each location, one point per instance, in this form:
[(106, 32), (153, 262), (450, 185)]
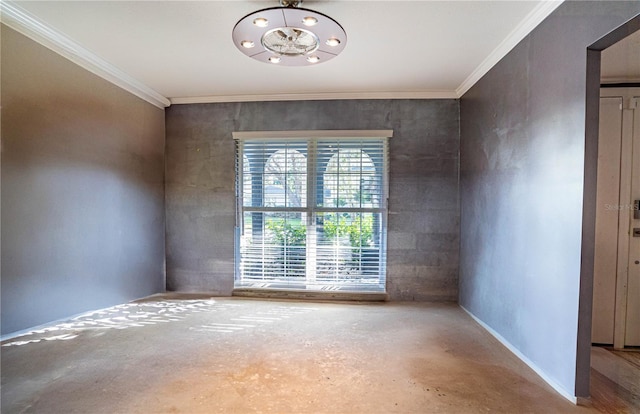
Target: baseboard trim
[(314, 295), (523, 358)]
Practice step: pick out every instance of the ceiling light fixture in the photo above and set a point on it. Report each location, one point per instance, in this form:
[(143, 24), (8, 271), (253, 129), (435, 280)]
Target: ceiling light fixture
[(289, 35)]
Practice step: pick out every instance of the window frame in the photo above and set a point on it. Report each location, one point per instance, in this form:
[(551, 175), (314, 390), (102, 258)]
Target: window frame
[(310, 208)]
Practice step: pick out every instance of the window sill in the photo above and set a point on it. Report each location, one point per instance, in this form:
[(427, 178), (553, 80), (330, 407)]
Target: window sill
[(272, 293)]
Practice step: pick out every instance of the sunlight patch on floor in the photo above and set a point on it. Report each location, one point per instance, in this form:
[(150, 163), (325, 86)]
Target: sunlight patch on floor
[(125, 316)]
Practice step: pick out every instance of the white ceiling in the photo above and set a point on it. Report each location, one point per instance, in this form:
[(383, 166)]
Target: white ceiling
[(183, 50)]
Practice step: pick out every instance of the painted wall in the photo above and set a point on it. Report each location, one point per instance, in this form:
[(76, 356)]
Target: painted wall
[(82, 189), (522, 172), (423, 221)]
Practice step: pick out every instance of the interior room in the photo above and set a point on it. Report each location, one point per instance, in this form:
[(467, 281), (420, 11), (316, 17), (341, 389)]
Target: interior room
[(198, 218)]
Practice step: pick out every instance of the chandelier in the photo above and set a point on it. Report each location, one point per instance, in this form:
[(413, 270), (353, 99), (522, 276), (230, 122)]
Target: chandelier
[(289, 35)]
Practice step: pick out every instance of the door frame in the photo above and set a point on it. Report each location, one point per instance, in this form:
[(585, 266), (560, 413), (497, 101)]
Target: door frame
[(592, 112)]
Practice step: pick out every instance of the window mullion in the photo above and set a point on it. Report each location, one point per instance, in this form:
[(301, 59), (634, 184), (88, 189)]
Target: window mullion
[(311, 178), (360, 177), (311, 204)]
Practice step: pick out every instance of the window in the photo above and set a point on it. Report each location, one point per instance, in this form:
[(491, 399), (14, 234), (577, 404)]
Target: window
[(312, 210)]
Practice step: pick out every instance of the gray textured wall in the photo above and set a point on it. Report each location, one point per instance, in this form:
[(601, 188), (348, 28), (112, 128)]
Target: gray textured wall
[(522, 171), (423, 222), (82, 189)]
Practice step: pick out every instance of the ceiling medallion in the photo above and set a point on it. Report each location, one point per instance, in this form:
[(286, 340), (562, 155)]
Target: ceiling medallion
[(289, 35)]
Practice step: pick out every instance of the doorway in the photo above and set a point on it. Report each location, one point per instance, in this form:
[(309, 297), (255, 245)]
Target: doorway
[(615, 333)]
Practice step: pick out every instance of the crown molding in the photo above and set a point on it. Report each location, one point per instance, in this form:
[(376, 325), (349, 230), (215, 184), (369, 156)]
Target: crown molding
[(315, 97), (530, 22), (28, 25)]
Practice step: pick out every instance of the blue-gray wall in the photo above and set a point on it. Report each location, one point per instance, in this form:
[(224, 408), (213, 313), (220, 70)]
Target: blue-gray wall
[(522, 172), (423, 223), (82, 189)]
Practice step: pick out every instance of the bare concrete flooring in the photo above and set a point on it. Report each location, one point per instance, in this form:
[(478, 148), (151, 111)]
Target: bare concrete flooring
[(164, 355)]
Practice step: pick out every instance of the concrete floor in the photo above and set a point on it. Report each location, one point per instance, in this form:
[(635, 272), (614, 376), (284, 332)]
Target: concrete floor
[(164, 355)]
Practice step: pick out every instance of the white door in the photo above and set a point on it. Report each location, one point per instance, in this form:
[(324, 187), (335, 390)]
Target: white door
[(632, 325), (616, 290), (608, 195)]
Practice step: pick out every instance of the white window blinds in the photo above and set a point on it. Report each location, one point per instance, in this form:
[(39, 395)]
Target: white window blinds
[(312, 212)]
